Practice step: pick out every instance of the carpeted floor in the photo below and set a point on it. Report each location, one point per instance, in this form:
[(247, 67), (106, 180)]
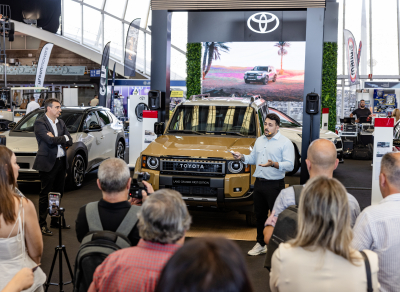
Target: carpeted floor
[(354, 174)]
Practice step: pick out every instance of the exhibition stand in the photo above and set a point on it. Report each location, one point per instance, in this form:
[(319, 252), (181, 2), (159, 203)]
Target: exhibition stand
[(383, 143)]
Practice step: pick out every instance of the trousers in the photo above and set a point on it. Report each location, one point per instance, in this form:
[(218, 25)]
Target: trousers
[(265, 194), (52, 181)]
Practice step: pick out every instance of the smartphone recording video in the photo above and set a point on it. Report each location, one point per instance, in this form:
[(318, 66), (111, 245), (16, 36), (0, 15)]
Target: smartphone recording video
[(54, 204)]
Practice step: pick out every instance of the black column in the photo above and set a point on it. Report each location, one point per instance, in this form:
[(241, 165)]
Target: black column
[(161, 58)]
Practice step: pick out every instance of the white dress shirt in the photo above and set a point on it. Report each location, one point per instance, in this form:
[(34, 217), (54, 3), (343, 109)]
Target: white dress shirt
[(32, 106), (278, 149), (378, 229), (60, 152)]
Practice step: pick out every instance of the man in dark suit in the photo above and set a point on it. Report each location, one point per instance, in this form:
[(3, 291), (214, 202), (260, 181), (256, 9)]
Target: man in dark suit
[(51, 161)]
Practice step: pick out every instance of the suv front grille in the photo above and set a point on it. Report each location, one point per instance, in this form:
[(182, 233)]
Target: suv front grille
[(192, 166), (195, 191)]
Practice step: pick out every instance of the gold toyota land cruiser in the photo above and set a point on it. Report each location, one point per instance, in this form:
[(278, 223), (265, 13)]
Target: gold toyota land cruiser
[(193, 155)]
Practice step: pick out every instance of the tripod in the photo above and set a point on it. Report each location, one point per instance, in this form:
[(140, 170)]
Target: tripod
[(59, 250)]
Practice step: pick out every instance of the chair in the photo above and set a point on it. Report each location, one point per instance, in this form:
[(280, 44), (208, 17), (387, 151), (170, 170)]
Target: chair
[(24, 104)]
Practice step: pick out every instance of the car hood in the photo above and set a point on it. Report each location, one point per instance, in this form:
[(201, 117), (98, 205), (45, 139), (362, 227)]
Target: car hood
[(293, 132), (255, 72), (205, 146), (24, 144)]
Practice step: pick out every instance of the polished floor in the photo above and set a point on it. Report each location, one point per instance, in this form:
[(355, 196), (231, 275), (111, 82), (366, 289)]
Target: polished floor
[(355, 175)]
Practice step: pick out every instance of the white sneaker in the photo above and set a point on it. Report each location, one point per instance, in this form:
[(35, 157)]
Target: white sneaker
[(257, 249)]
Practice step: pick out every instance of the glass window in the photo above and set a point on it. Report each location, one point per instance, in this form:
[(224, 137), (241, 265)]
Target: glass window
[(27, 125), (95, 3), (137, 9), (179, 29), (214, 120), (91, 119), (384, 38), (72, 16), (92, 28), (110, 115), (113, 33), (104, 118), (261, 118), (286, 121), (116, 7)]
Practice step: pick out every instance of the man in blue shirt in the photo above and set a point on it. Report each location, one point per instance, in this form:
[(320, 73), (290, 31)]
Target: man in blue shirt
[(273, 155)]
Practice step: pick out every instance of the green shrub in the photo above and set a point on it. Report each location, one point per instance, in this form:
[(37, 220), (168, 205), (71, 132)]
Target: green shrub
[(193, 69), (329, 76)]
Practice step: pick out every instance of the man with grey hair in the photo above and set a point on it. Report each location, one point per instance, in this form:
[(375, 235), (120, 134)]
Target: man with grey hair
[(321, 161), (114, 181), (377, 227), (163, 222)]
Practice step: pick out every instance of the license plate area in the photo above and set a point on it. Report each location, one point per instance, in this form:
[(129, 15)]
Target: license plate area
[(191, 182)]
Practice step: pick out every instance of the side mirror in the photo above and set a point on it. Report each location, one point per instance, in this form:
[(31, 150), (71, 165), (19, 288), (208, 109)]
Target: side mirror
[(93, 128), (159, 128), (12, 125)]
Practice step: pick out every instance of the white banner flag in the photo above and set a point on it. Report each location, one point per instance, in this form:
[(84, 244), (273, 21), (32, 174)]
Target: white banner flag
[(42, 64), (351, 52)]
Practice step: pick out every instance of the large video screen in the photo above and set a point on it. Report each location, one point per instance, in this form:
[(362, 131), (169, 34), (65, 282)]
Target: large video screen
[(274, 70)]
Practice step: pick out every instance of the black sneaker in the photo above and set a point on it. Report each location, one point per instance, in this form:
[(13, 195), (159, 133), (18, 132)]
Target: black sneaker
[(46, 231)]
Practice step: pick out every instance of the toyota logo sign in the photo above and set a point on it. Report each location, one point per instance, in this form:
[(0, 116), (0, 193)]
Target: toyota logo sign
[(262, 19)]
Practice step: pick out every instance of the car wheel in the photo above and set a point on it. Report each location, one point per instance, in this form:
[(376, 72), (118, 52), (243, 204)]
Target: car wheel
[(265, 80), (77, 172), (120, 150), (247, 82), (296, 163), (274, 79), (251, 219)]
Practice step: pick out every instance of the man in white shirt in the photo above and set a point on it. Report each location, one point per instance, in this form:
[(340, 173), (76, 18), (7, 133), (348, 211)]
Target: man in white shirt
[(321, 160), (32, 105), (94, 101), (273, 155), (377, 227)]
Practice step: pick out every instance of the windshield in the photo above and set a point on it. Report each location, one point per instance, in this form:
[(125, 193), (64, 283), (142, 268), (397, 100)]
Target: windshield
[(260, 69), (71, 120), (218, 120), (286, 121)]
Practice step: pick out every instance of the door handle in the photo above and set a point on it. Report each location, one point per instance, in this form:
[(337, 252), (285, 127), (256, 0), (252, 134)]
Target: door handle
[(115, 131), (102, 137)]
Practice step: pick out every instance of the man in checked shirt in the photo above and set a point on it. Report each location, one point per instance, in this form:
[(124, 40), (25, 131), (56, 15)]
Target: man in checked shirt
[(163, 222), (377, 227)]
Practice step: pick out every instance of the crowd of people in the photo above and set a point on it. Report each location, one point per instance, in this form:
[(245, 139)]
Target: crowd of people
[(337, 247)]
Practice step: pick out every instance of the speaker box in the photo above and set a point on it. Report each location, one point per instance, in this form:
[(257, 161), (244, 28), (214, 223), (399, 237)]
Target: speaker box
[(154, 99)]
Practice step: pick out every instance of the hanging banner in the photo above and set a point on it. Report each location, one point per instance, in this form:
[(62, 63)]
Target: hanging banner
[(112, 91), (359, 53), (42, 65), (351, 52), (104, 75), (132, 37)]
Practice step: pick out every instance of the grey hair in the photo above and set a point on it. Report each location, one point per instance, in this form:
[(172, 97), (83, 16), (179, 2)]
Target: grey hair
[(113, 175), (164, 217), (390, 166)]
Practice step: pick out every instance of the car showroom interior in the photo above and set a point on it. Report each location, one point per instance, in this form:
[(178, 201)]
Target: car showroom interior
[(189, 145)]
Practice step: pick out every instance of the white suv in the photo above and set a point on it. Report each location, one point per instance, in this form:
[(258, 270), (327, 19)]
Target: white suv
[(261, 74), (96, 133)]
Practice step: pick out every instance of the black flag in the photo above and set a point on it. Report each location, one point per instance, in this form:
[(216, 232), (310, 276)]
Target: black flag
[(132, 38), (104, 75), (112, 91)]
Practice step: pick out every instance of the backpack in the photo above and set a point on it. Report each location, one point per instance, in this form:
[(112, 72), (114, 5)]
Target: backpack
[(285, 227), (98, 244)]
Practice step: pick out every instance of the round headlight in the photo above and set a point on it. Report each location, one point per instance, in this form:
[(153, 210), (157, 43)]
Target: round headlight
[(235, 166), (153, 162)]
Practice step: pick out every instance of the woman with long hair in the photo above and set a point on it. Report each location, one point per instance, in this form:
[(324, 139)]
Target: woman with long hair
[(396, 115), (206, 264), (320, 258), (21, 243)]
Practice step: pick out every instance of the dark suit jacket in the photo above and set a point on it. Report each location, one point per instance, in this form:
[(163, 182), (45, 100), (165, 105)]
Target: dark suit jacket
[(48, 146)]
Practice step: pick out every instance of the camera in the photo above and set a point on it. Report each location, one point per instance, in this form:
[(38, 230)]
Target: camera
[(54, 204), (137, 186)]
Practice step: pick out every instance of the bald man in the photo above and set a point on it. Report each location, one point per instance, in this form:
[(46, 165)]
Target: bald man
[(321, 161)]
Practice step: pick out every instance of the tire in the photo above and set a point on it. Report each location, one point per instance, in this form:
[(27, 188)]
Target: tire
[(251, 219), (120, 150), (265, 80), (274, 79), (296, 163), (77, 172), (247, 82)]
